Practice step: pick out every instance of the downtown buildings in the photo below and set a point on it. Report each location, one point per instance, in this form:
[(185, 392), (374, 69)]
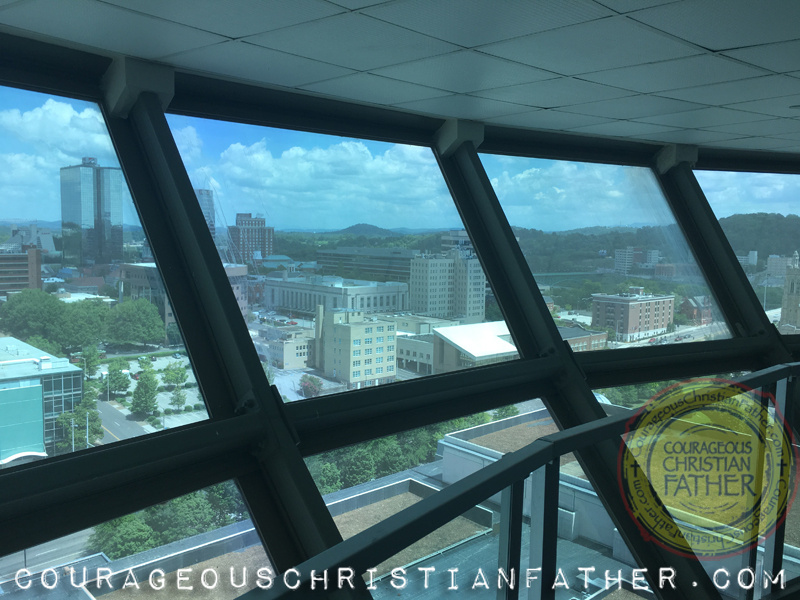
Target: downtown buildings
[(633, 315), (251, 238), (91, 213), (448, 285), (35, 388)]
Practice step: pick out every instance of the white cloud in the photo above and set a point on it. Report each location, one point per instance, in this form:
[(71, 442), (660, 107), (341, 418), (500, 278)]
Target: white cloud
[(561, 195), (332, 187), (189, 144), (37, 143), (742, 193)]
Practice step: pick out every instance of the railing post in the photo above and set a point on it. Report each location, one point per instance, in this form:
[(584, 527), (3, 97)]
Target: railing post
[(544, 532), (511, 538)]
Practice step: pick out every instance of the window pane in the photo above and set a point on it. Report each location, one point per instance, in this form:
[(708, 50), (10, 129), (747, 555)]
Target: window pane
[(758, 213), (347, 257), (606, 253), (80, 296), (206, 530)]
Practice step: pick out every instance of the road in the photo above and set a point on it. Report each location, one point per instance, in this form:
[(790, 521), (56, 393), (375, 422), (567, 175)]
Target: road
[(115, 426), (57, 552)]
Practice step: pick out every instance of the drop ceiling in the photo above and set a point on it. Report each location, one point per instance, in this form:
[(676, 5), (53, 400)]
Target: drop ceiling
[(721, 73)]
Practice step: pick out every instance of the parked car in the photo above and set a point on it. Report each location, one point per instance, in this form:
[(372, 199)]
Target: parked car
[(678, 338), (292, 323), (135, 376), (652, 341), (153, 359), (177, 355)]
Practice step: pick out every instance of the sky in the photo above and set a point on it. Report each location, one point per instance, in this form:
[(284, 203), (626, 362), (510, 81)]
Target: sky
[(311, 181)]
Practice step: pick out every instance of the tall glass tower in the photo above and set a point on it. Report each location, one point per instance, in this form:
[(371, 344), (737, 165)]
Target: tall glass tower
[(91, 213)]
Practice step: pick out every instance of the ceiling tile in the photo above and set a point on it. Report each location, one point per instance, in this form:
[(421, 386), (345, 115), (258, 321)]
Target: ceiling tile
[(594, 46), (788, 136), (366, 87), (742, 90), (772, 127), (704, 117), (353, 40), (472, 23), (239, 17), (105, 27), (633, 107), (356, 4), (547, 119), (239, 59), (463, 107), (754, 143), (624, 6), (675, 74), (781, 58), (778, 107), (622, 129), (689, 136), (554, 92), (733, 24), (465, 71)]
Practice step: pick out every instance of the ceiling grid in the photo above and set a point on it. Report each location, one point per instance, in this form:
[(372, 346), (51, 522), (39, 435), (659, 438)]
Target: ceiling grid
[(675, 71)]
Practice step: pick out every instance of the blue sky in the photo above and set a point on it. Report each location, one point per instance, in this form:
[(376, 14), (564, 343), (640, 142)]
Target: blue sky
[(311, 181)]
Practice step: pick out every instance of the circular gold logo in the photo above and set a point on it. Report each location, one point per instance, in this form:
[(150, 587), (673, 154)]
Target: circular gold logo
[(706, 468)]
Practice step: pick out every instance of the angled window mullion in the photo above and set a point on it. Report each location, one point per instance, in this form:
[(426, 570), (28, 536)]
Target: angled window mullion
[(573, 402), (718, 262), (227, 366)]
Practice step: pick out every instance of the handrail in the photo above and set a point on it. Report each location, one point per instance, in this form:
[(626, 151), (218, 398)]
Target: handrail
[(383, 540)]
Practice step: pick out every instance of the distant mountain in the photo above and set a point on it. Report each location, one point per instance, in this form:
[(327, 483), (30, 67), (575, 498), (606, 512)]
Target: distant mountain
[(597, 230), (407, 231), (43, 224), (368, 230)]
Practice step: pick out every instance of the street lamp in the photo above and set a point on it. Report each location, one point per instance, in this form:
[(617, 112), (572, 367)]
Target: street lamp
[(108, 384)]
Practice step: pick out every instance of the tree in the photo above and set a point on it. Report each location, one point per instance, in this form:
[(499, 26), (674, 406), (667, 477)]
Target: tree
[(82, 324), (181, 517), (51, 288), (73, 424), (175, 374), (108, 290), (135, 322), (118, 382), (145, 392), (505, 412), (32, 313), (226, 504), (124, 536), (178, 398), (310, 386), (91, 360), (44, 345), (174, 334), (357, 465), (328, 479)]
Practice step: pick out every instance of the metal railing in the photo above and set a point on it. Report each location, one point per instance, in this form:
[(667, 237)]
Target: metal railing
[(507, 476)]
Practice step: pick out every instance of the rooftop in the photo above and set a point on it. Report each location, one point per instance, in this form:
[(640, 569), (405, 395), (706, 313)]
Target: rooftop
[(479, 340), (18, 359)]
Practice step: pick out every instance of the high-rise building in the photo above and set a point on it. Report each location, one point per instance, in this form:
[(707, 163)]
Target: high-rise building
[(19, 271), (447, 285), (251, 238), (206, 200), (91, 213), (790, 305)]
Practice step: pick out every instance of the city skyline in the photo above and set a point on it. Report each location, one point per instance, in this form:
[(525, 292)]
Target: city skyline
[(309, 181)]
